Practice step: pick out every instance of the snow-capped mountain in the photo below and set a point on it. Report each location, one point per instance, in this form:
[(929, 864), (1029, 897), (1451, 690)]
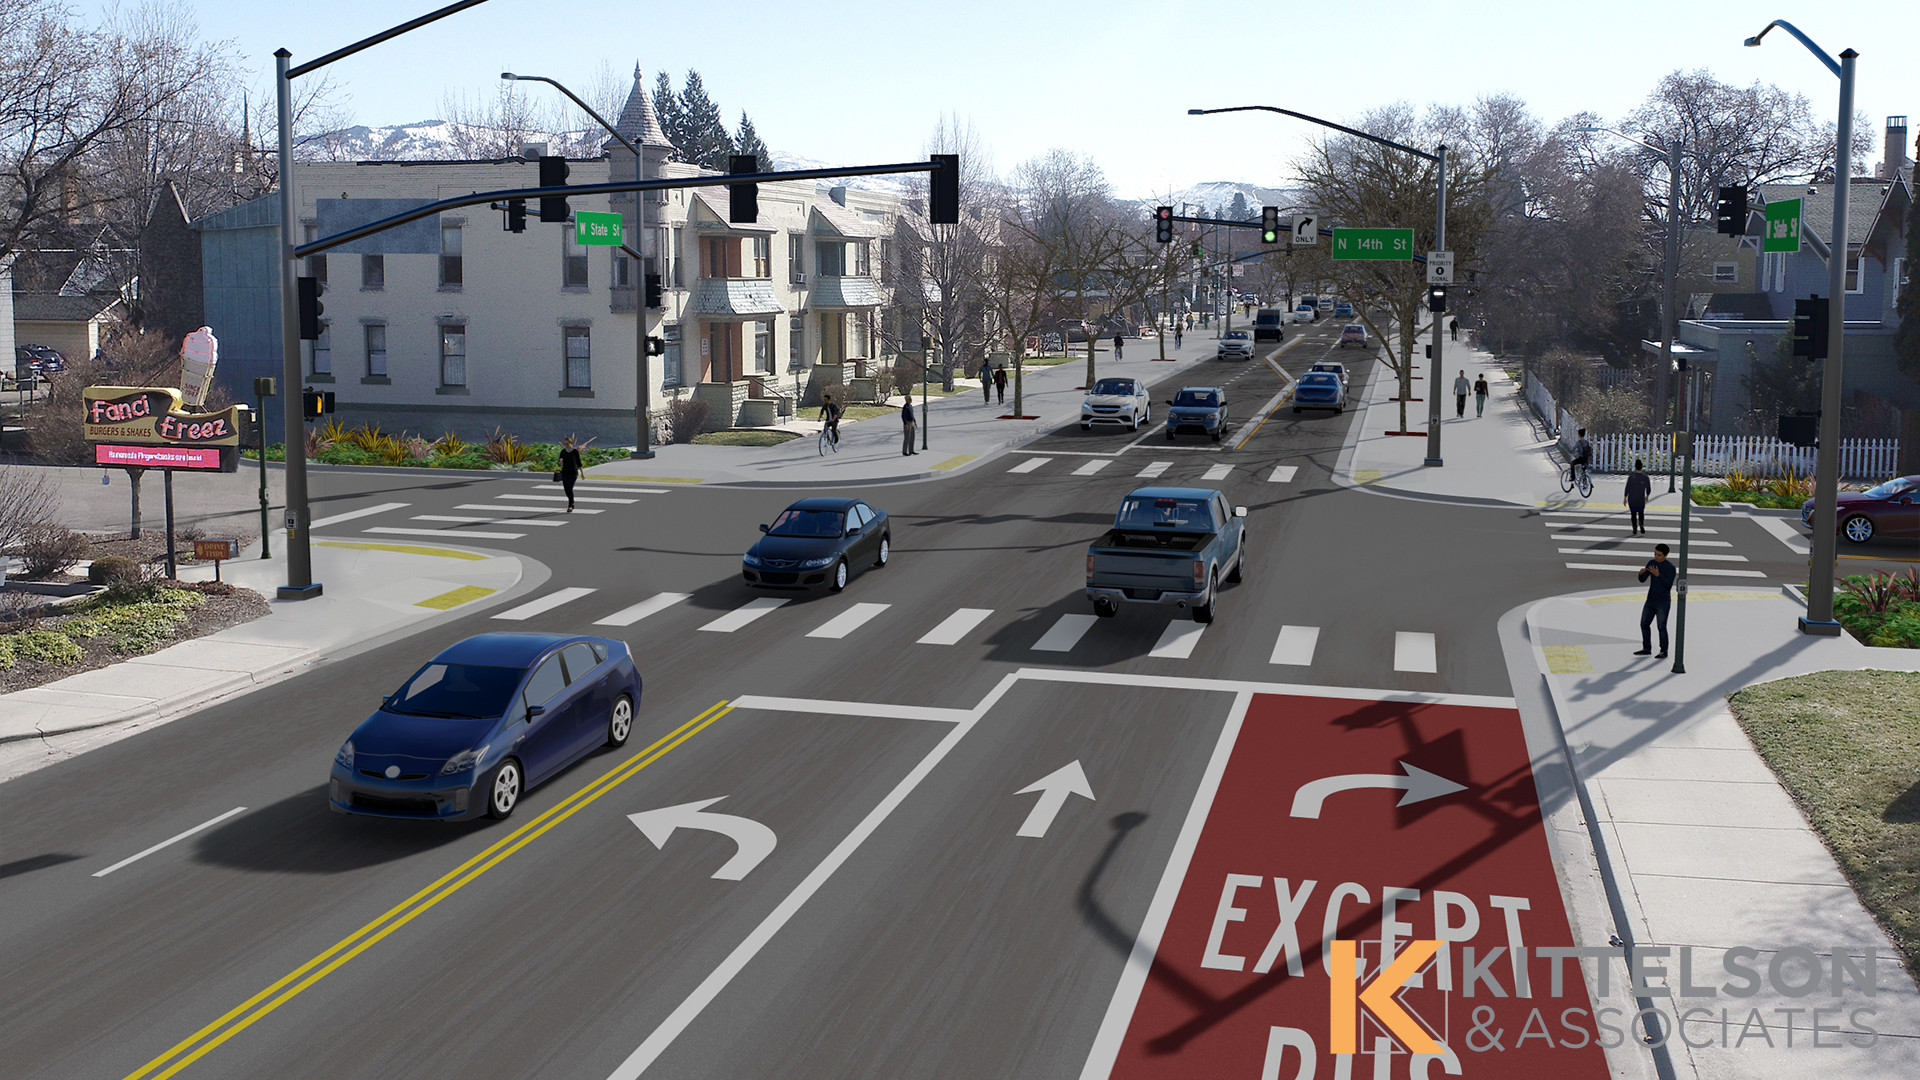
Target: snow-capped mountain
[(423, 140), (892, 185), (1215, 196)]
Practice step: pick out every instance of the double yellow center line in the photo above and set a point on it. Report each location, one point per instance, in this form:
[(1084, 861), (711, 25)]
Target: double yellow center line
[(242, 1016)]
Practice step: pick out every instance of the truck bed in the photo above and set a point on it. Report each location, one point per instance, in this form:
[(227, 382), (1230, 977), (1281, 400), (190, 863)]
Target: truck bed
[(1153, 540)]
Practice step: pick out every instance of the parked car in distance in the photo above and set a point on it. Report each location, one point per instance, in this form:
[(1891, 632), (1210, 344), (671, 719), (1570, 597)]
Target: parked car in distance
[(1306, 313), (40, 359), (1168, 546), (1343, 310), (1355, 334), (1333, 366), (818, 543), (1235, 344), (1319, 390), (1267, 323), (1120, 402), (1890, 509), (1198, 408), (485, 721)]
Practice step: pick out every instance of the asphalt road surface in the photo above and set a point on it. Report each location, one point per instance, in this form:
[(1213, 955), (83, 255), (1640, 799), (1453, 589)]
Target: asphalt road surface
[(902, 926)]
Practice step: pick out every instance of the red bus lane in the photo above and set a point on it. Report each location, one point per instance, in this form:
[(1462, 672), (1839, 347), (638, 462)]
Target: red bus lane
[(1372, 831)]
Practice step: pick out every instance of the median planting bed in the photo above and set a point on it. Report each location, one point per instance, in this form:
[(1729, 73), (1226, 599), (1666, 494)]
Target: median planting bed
[(337, 444)]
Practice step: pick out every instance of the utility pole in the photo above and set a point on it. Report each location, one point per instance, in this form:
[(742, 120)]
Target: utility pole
[(1434, 367)]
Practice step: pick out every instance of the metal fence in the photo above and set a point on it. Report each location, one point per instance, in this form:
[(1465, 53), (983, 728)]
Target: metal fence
[(1718, 455)]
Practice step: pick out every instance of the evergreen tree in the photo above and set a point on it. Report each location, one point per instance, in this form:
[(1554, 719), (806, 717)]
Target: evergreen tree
[(748, 141), (1239, 210), (673, 116), (708, 141)]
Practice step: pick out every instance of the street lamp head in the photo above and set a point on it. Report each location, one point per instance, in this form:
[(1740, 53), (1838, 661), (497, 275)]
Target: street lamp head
[(508, 76), (1752, 41), (1196, 112)]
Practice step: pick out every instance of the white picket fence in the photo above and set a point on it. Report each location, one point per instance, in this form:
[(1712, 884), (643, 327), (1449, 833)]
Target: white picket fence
[(1716, 455)]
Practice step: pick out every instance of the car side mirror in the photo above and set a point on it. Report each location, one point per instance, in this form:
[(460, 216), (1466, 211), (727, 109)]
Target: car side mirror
[(763, 528), (535, 710), (1906, 500), (853, 530), (1240, 511)]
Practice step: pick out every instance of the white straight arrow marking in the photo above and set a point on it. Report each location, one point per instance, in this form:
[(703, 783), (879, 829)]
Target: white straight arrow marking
[(756, 840), (1419, 785), (1054, 789)]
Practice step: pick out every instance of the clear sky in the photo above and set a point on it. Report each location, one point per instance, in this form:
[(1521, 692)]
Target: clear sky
[(863, 82)]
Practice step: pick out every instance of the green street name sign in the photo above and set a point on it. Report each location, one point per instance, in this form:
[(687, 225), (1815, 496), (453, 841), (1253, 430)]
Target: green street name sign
[(1783, 226), (1394, 244), (596, 230)]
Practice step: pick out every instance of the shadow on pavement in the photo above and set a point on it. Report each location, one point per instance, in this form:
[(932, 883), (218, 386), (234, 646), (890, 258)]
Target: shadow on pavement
[(35, 862), (300, 835)]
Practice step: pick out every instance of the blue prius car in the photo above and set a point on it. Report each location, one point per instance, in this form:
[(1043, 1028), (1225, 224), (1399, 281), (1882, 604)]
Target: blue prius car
[(482, 723)]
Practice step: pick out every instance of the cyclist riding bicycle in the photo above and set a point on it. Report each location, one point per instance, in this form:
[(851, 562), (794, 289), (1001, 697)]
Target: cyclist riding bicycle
[(1582, 452), (831, 414)]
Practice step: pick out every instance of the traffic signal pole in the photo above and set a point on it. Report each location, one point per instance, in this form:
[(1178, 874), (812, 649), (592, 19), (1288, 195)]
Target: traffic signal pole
[(1434, 366)]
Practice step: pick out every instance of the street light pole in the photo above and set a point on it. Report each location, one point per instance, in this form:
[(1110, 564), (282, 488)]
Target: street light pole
[(1819, 618)]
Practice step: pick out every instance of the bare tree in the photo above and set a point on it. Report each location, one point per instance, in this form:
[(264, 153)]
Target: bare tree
[(934, 272), (28, 497)]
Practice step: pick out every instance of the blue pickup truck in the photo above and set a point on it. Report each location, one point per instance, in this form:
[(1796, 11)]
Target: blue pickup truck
[(1168, 546)]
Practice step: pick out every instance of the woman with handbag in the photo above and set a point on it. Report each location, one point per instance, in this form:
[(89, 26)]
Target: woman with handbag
[(569, 468)]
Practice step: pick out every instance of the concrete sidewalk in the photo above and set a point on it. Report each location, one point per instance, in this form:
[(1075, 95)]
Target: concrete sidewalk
[(962, 431), (375, 593), (1706, 849)]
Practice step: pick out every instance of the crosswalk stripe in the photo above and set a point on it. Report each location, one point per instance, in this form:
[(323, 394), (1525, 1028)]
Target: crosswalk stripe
[(365, 511), (1065, 633), (1691, 570), (485, 521), (1030, 464), (1295, 645), (546, 603), (1178, 639), (1611, 540), (563, 498), (609, 490), (1154, 469), (1282, 474), (1594, 518), (520, 509), (1093, 466), (1674, 529), (1413, 651), (650, 606), (447, 534), (1642, 556), (744, 614), (956, 626), (1218, 472), (848, 621)]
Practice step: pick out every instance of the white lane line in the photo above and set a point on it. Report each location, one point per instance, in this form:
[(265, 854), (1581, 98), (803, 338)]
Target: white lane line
[(173, 840), (520, 509), (1674, 529), (492, 520), (1154, 469), (1178, 639), (1030, 464), (1706, 571), (447, 534), (1282, 474), (546, 603), (1414, 652), (1092, 467), (956, 626), (652, 605), (1295, 645), (367, 511), (1611, 540), (1643, 556), (563, 498), (1218, 472), (744, 614), (609, 490), (848, 621), (1065, 633)]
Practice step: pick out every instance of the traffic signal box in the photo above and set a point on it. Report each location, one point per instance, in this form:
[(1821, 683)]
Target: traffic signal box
[(943, 190), (1436, 298), (315, 403), (553, 173), (1269, 224), (1730, 211), (743, 200), (1163, 224), (310, 307), (1810, 327)]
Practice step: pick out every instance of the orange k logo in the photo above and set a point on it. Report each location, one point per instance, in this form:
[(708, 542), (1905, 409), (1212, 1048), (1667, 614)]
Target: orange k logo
[(1378, 997)]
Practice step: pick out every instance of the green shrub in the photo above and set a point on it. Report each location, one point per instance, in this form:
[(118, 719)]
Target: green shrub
[(111, 570), (47, 646)]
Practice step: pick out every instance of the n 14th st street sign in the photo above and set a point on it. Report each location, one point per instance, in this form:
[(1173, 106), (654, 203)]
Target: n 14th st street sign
[(1783, 226), (1373, 244), (596, 230)]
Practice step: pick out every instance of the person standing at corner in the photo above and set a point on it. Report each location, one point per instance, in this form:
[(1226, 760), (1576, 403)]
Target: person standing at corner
[(908, 424), (1639, 486), (1453, 325), (1461, 388), (1659, 600), (1000, 382), (1480, 396), (569, 468), (1116, 345)]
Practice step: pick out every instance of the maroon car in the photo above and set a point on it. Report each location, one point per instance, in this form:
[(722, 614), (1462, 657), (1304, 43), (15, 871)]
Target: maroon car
[(1886, 510)]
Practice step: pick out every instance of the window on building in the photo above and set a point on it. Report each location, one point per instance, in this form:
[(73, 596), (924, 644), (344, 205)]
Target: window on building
[(316, 264), (373, 271), (714, 256), (452, 270), (862, 335), (796, 257), (830, 258), (670, 358), (622, 270), (1726, 273), (862, 260), (763, 256), (376, 350), (323, 351), (453, 356), (579, 353), (1899, 278), (1853, 272), (796, 343), (573, 261), (678, 254), (763, 347)]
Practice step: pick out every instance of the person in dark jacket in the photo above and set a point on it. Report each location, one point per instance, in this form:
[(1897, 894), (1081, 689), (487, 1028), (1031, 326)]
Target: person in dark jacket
[(908, 424), (1659, 600), (986, 382), (1000, 383), (1480, 397), (1116, 344), (569, 468), (1639, 486)]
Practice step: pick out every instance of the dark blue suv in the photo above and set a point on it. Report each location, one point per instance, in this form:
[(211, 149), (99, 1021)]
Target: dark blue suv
[(1201, 409)]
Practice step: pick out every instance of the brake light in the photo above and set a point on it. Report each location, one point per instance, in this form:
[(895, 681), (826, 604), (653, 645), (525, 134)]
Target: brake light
[(1089, 566), (1199, 574)]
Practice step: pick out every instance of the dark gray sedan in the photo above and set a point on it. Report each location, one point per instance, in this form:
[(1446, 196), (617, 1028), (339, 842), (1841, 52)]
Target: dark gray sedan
[(818, 543)]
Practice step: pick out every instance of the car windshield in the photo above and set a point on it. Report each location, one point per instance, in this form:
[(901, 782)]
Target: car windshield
[(1114, 387), (1140, 512), (1236, 335), (1201, 398), (1891, 488), (1356, 328), (457, 691), (1318, 378), (807, 523)]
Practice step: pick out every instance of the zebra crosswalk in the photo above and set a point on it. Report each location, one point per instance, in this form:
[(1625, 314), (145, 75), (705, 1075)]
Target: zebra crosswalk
[(1607, 536), (1281, 474)]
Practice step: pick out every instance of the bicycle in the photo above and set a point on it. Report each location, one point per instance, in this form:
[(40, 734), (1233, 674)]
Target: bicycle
[(1576, 475), (829, 440)]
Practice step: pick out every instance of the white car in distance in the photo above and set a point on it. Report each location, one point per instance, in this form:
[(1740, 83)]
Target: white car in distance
[(1118, 402)]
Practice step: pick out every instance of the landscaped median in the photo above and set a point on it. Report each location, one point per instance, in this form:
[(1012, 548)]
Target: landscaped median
[(337, 444), (113, 625)]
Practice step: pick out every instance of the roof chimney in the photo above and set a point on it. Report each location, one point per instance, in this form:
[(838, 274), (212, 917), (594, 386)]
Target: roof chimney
[(533, 151), (838, 194), (1895, 154)]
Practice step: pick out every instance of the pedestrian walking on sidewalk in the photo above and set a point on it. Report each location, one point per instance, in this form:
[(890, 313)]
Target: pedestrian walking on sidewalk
[(1659, 600), (569, 468), (1000, 382), (1480, 397), (908, 425), (1454, 326), (1639, 486), (986, 382), (1116, 344), (1176, 335), (1461, 388)]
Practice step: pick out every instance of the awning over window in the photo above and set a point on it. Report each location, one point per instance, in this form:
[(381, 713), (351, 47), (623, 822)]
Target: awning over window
[(733, 299), (844, 292)]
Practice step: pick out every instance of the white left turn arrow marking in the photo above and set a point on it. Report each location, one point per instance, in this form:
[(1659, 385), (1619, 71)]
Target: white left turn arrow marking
[(1054, 789), (756, 841), (1419, 785)]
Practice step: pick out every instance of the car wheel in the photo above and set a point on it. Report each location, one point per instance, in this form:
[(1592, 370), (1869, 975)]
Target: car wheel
[(1169, 434), (1105, 609), (1239, 560), (1086, 427), (1216, 434), (1203, 613), (886, 550), (503, 793), (620, 723), (1336, 410), (839, 575), (1296, 410), (1858, 528)]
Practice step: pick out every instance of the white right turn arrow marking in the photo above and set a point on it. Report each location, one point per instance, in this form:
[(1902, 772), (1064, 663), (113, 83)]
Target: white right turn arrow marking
[(1419, 785), (1054, 789), (756, 840)]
